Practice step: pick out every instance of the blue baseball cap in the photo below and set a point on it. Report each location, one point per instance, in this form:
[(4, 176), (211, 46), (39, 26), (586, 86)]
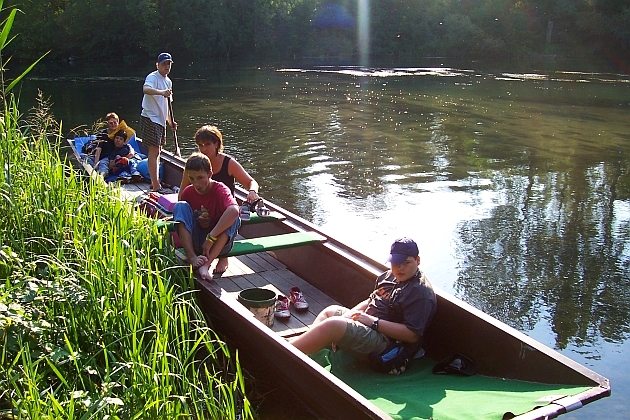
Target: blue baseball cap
[(164, 57), (401, 249)]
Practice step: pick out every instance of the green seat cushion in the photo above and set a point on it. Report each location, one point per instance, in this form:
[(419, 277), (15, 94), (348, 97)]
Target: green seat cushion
[(269, 243)]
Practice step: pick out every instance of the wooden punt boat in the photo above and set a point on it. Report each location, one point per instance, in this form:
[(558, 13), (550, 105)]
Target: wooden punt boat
[(331, 272)]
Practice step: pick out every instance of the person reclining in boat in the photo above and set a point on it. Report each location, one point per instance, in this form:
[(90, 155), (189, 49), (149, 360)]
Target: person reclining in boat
[(207, 217), (399, 308), (121, 162), (224, 169), (94, 151)]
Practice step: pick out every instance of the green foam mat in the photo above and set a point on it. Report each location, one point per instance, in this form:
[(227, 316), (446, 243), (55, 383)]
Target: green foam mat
[(419, 394), (269, 243)]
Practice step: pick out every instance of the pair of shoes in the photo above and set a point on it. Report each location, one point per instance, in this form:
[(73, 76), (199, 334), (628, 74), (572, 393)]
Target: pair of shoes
[(244, 211), (297, 299), (281, 311)]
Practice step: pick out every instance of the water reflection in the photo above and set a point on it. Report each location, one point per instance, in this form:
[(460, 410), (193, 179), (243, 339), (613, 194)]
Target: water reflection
[(555, 246), (516, 183)]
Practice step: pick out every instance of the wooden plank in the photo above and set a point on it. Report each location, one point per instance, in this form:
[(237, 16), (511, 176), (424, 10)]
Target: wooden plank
[(228, 284), (266, 258), (256, 262), (297, 323), (316, 298), (289, 327), (251, 264), (244, 282), (236, 267)]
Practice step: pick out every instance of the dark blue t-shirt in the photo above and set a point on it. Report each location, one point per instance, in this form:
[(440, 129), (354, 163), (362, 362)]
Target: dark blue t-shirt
[(412, 302)]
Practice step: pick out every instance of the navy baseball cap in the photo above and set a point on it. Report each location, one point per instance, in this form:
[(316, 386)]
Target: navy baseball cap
[(401, 249), (164, 57)]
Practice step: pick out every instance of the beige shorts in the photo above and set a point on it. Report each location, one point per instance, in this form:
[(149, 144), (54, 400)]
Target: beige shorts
[(361, 338)]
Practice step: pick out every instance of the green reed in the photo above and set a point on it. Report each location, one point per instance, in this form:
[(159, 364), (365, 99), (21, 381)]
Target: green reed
[(96, 320)]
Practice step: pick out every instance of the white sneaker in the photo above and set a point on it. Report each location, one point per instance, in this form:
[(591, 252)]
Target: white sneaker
[(297, 299), (281, 310)]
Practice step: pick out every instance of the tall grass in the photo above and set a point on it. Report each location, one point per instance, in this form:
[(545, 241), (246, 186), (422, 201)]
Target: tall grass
[(94, 320)]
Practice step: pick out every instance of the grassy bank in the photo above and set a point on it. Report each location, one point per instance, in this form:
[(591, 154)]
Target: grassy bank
[(94, 320)]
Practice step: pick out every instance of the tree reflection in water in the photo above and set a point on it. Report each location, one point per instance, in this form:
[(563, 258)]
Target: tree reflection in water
[(555, 247)]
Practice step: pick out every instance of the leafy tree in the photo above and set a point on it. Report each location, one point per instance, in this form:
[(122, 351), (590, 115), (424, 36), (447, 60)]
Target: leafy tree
[(200, 29)]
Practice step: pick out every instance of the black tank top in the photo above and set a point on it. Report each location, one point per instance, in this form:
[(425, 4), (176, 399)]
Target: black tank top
[(223, 175)]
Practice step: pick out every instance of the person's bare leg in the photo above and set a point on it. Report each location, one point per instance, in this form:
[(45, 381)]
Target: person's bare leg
[(222, 266), (213, 253), (326, 313), (186, 240), (204, 271), (328, 331), (153, 162)]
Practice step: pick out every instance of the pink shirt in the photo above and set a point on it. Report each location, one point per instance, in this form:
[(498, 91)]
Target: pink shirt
[(213, 203)]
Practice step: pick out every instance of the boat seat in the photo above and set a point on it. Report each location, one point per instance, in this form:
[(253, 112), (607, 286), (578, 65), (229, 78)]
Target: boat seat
[(267, 243), (169, 224), (270, 243), (254, 218)]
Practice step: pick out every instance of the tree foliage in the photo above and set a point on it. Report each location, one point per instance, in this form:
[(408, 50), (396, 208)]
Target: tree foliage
[(200, 29)]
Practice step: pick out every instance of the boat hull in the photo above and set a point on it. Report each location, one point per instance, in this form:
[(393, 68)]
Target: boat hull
[(348, 276)]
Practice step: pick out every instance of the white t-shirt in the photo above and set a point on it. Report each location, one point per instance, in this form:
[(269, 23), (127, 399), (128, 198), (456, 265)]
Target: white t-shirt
[(155, 107)]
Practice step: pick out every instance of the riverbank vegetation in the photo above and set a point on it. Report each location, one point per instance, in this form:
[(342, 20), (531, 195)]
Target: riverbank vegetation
[(97, 320), (202, 29)]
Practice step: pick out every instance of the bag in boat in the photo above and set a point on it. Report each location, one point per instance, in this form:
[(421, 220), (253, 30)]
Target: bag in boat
[(455, 364), (395, 359), (90, 147), (149, 205)]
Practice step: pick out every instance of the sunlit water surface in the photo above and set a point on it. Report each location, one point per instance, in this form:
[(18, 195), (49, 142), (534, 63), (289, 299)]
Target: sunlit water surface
[(515, 184)]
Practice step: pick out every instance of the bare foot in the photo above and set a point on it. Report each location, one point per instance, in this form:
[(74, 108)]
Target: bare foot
[(198, 261), (204, 272), (222, 265)]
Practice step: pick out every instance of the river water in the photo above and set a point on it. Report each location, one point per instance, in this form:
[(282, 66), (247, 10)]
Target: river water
[(514, 180)]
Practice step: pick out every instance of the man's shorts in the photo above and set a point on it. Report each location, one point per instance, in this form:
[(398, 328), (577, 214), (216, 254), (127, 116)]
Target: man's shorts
[(183, 213), (361, 338), (153, 134)]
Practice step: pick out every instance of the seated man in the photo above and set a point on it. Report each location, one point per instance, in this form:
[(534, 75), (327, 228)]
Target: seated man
[(208, 217), (399, 309)]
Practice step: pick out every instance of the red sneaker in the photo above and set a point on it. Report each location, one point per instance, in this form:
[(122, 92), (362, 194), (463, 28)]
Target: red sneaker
[(297, 299), (281, 310)]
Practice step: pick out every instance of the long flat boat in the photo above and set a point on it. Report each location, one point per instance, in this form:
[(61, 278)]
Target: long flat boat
[(516, 376)]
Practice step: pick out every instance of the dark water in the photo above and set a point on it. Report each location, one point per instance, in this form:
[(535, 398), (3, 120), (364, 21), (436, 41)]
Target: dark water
[(515, 181)]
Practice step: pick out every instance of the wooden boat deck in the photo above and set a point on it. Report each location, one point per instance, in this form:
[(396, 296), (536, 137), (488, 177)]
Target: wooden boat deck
[(263, 270), (259, 270)]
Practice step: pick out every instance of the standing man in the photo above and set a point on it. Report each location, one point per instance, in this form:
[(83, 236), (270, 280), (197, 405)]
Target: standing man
[(158, 90)]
